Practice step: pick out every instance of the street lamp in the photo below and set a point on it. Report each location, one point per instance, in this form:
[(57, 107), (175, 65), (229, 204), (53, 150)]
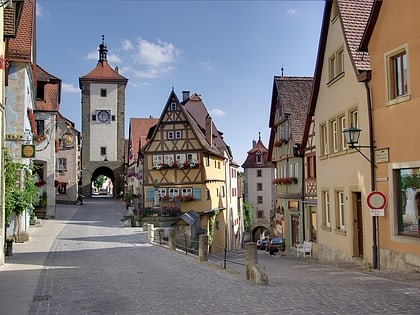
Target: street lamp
[(351, 135)]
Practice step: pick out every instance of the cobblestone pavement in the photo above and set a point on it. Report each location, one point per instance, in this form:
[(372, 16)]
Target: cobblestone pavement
[(94, 265)]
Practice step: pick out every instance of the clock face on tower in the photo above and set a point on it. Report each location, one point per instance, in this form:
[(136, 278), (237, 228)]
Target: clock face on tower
[(103, 116)]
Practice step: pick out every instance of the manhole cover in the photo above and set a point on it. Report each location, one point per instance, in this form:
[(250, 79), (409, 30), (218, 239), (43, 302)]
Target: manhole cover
[(41, 297)]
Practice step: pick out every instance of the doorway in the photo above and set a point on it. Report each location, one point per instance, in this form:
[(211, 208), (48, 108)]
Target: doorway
[(357, 225)]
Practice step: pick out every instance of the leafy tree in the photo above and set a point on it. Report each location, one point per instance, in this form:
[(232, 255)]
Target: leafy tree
[(20, 189), (247, 216), (99, 181)]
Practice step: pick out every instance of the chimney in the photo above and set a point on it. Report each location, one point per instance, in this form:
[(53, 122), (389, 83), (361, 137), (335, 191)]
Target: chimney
[(209, 130), (185, 95), (254, 143)]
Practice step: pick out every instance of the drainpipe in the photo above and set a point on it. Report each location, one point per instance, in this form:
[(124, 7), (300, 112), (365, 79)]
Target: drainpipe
[(375, 232)]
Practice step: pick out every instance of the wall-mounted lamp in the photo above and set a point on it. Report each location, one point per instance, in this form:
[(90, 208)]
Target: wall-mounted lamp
[(351, 135), (106, 159)]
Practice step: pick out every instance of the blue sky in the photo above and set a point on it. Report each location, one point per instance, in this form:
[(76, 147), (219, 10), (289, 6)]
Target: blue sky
[(226, 51)]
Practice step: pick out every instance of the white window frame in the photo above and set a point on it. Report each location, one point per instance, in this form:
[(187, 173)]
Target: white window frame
[(192, 157), (343, 126), (170, 135), (178, 134), (173, 106), (61, 164), (397, 81), (168, 159), (173, 192), (334, 131), (180, 158), (296, 172), (186, 191), (326, 208), (157, 160), (340, 210), (324, 135)]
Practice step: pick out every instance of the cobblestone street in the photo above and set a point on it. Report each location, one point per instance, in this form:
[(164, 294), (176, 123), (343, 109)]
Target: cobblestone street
[(86, 262)]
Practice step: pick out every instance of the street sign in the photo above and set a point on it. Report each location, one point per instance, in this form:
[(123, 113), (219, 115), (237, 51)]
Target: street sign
[(376, 201)]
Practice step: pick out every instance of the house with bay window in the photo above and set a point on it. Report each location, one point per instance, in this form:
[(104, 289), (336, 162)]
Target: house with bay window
[(289, 106), (187, 166)]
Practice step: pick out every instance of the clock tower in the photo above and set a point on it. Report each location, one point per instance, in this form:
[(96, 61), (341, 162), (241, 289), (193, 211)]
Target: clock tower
[(103, 121)]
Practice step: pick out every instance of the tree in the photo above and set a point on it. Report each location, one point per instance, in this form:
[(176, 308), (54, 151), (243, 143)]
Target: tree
[(247, 216), (99, 181), (20, 189)]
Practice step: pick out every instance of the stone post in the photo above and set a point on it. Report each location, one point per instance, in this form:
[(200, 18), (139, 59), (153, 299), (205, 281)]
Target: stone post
[(254, 272), (203, 248), (150, 233), (171, 239)]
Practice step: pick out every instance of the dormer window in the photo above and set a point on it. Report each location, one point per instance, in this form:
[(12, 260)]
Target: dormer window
[(258, 158)]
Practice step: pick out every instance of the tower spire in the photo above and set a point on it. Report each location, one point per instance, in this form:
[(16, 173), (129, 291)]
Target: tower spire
[(102, 50)]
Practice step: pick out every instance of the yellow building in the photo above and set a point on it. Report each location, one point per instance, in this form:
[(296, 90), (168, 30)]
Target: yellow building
[(392, 40), (340, 100), (185, 166)]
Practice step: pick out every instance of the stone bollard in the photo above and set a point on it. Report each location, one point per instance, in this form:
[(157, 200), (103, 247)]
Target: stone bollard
[(254, 272), (203, 248), (150, 233), (171, 239), (145, 226)]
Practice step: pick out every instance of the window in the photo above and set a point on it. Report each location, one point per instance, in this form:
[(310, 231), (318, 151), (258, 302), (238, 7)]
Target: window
[(168, 159), (207, 158), (62, 188), (173, 192), (336, 64), (173, 106), (103, 150), (334, 135), (326, 221), (260, 214), (170, 135), (259, 187), (397, 73), (94, 117), (180, 158), (296, 173), (186, 191), (340, 210), (291, 168), (61, 164), (324, 140), (103, 92), (192, 157), (40, 90), (342, 126), (259, 158), (40, 127), (157, 160), (259, 199), (408, 196), (178, 134), (259, 173), (161, 192)]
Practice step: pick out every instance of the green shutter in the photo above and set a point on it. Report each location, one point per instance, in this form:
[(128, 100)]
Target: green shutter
[(150, 194), (197, 193)]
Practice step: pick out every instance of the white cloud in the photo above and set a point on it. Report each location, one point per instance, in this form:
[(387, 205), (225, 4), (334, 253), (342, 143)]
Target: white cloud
[(155, 54), (39, 9), (217, 112), (207, 65), (290, 11), (126, 44), (69, 88), (152, 73)]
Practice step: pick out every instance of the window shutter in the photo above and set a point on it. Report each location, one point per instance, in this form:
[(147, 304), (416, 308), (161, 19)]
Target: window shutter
[(150, 194), (197, 193)]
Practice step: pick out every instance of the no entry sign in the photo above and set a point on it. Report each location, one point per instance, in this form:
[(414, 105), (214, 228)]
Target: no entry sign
[(376, 201)]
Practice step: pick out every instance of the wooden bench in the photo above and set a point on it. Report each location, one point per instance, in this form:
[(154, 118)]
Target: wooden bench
[(305, 249)]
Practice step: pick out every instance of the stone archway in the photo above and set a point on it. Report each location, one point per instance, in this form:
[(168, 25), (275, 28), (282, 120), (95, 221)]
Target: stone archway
[(106, 171), (258, 231)]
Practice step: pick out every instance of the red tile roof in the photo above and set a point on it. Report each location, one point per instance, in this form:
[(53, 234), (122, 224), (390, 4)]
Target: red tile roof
[(354, 16), (139, 128), (21, 48), (104, 73)]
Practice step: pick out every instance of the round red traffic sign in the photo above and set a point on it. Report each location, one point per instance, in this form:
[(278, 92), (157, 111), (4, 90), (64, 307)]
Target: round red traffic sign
[(376, 200)]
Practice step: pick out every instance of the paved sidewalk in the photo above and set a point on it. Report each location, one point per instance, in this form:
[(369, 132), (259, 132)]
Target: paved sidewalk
[(20, 274)]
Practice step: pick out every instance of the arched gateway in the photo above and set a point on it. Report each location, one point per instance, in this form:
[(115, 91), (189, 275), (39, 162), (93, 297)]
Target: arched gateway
[(103, 121)]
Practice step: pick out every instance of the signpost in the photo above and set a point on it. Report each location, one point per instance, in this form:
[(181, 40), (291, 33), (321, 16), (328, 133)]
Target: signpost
[(376, 201)]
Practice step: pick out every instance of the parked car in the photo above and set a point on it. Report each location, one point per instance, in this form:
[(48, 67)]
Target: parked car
[(262, 244), (276, 244)]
